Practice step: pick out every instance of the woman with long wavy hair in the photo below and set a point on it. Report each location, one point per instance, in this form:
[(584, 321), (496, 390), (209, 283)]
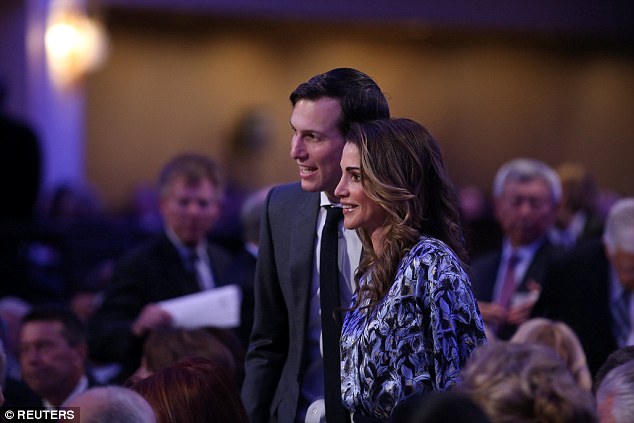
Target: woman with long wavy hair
[(413, 321)]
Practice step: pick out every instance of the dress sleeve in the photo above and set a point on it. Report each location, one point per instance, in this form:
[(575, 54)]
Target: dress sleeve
[(454, 325)]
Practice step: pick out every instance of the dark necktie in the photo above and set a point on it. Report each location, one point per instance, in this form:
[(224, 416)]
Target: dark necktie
[(192, 262), (620, 312), (509, 286), (509, 283), (330, 316)]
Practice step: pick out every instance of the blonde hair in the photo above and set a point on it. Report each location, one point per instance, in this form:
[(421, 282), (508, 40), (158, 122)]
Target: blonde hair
[(525, 383), (561, 338)]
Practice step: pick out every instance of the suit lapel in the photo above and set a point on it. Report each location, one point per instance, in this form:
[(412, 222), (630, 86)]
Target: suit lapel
[(537, 269), (302, 242), (180, 281)]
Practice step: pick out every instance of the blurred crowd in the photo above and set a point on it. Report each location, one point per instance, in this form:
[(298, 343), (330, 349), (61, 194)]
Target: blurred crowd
[(86, 318)]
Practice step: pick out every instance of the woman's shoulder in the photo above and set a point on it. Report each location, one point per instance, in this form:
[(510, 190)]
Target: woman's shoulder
[(435, 256), (431, 248)]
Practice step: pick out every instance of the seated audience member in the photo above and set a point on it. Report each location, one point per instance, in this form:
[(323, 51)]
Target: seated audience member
[(506, 281), (560, 338), (75, 234), (524, 383), (439, 407), (111, 404), (14, 392), (590, 288), (577, 216), (53, 354), (615, 395), (194, 390), (616, 358), (164, 347), (179, 261)]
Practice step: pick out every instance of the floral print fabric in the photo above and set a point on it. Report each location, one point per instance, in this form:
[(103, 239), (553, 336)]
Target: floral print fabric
[(416, 339)]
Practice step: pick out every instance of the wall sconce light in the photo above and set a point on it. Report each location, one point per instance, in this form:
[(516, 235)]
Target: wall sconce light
[(75, 44)]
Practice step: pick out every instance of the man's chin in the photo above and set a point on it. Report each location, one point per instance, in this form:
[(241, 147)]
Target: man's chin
[(310, 186)]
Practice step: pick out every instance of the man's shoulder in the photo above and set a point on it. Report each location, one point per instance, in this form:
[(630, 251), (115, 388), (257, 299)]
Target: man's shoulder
[(219, 251), (550, 249), (487, 258), (156, 247), (291, 197), (292, 189), (587, 255)]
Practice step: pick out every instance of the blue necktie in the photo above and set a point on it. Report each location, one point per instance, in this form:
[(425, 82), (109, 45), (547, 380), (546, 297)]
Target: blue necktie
[(620, 312)]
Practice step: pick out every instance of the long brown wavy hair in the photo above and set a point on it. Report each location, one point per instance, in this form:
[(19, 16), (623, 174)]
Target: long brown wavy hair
[(403, 171)]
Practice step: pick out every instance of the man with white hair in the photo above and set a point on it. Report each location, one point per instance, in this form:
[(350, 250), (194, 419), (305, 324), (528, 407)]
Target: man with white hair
[(112, 404), (615, 395), (591, 288), (505, 281)]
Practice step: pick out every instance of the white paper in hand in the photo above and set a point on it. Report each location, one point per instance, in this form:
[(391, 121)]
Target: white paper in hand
[(218, 307)]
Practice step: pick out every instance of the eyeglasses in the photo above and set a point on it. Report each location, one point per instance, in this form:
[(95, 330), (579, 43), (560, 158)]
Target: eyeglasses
[(535, 203)]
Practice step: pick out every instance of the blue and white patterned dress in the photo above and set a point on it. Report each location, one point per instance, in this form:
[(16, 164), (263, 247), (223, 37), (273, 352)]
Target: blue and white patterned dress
[(416, 339)]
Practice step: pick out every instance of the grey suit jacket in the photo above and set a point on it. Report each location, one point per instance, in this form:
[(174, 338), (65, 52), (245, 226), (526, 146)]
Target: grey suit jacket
[(274, 365)]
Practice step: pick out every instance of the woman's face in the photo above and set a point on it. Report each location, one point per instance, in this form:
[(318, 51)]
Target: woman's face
[(359, 210)]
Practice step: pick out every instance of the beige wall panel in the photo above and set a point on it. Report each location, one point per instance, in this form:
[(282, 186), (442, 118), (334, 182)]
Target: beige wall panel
[(486, 99)]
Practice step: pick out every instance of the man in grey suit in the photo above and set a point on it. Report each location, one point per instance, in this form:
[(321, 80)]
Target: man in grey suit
[(284, 374)]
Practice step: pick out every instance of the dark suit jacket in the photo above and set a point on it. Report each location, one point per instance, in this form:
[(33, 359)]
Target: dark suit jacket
[(18, 394), (243, 274), (592, 230), (150, 273), (484, 274), (273, 366), (576, 291)]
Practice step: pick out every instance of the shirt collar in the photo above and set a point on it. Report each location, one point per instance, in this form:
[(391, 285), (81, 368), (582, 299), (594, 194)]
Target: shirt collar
[(616, 288), (81, 386), (183, 250), (325, 201), (523, 251)]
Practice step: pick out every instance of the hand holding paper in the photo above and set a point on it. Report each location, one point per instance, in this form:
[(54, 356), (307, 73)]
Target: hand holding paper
[(218, 307)]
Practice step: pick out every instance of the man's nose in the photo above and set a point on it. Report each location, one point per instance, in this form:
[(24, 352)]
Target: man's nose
[(297, 148), (29, 355)]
